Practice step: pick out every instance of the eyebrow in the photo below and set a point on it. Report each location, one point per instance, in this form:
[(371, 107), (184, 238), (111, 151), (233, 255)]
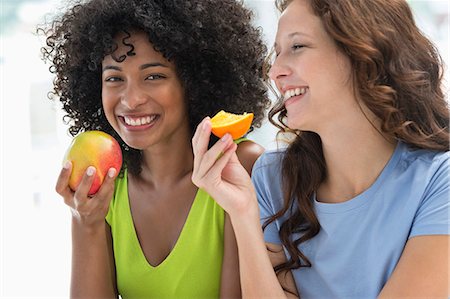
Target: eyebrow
[(142, 67), (153, 64), (294, 34), (291, 35)]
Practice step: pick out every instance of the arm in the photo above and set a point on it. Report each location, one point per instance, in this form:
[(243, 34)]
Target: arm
[(277, 257), (226, 180), (256, 262), (423, 268), (93, 273), (422, 271), (247, 153), (230, 286)]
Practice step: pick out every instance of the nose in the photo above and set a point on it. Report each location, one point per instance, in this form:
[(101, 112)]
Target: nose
[(279, 69), (134, 96)]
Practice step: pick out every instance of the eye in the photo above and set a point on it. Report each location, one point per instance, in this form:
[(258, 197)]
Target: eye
[(113, 79), (155, 77), (297, 47)]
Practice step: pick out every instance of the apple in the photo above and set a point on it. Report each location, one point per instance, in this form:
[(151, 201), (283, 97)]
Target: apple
[(93, 148)]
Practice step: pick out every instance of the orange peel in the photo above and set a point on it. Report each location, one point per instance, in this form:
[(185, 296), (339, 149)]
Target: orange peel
[(234, 124)]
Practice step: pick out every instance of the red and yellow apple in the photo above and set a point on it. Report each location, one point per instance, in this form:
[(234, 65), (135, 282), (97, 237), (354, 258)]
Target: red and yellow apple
[(93, 148)]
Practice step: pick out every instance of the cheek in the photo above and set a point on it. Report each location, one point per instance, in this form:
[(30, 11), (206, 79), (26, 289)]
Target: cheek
[(178, 101), (340, 70), (108, 107), (332, 81), (108, 98)]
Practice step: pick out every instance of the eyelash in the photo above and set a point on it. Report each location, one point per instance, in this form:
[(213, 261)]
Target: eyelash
[(150, 77), (297, 46), (156, 77), (113, 79), (294, 47)]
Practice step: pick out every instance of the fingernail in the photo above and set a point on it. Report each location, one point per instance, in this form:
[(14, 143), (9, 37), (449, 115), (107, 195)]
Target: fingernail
[(225, 137), (67, 164), (206, 124), (111, 172), (90, 170)]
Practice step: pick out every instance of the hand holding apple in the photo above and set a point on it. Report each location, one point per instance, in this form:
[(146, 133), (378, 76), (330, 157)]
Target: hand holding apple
[(93, 148)]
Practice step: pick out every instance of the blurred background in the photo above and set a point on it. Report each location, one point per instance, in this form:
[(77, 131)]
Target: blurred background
[(35, 242)]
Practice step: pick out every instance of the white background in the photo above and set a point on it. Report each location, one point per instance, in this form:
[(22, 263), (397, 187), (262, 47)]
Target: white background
[(35, 224)]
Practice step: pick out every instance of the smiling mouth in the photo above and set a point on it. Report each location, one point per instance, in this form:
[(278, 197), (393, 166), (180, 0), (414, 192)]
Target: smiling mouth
[(139, 122), (294, 92)]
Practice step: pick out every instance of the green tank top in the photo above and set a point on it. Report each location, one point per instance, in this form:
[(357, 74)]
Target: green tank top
[(193, 267)]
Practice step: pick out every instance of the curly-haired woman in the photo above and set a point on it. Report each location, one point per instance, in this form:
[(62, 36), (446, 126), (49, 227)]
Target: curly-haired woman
[(147, 72), (357, 205)]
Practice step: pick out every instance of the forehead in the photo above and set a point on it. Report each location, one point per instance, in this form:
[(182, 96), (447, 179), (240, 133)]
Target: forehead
[(299, 18)]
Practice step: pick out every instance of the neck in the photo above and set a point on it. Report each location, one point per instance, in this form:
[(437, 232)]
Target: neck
[(167, 164), (355, 156)]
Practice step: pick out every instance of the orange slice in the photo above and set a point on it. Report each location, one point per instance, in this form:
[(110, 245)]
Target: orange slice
[(235, 124)]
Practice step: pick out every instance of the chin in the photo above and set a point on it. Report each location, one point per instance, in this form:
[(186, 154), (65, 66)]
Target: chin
[(136, 144), (295, 125), (301, 127)]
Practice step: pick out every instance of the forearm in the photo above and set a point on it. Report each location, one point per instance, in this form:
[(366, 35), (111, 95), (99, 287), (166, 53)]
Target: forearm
[(422, 271), (230, 286), (258, 279), (92, 262)]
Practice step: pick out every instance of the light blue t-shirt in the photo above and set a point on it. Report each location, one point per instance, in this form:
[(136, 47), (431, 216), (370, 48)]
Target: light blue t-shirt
[(362, 239)]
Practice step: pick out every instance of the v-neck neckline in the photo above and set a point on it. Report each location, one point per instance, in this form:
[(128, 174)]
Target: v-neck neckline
[(135, 235)]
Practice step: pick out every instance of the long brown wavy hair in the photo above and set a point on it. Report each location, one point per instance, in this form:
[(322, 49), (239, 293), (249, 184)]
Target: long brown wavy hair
[(397, 73)]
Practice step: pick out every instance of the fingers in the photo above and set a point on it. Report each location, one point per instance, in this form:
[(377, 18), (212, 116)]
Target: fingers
[(216, 151), (215, 171), (93, 209), (86, 182), (234, 158), (79, 199), (212, 157), (106, 191), (62, 184), (74, 198), (200, 140)]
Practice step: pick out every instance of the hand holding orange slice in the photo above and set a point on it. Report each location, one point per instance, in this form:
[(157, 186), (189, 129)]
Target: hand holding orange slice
[(234, 124)]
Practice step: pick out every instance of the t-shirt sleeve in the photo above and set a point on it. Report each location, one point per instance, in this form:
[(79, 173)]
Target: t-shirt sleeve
[(432, 217), (265, 201)]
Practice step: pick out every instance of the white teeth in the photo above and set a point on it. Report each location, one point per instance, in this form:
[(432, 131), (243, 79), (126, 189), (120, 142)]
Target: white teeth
[(139, 121), (294, 92)]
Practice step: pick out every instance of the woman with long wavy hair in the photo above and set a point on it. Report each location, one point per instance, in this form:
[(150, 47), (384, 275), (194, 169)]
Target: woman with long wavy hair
[(357, 205)]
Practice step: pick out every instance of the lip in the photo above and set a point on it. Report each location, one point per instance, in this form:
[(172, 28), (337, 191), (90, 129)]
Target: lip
[(296, 98), (138, 127), (285, 88)]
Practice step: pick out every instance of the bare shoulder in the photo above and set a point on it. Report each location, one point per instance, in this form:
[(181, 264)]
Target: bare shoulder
[(247, 152)]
